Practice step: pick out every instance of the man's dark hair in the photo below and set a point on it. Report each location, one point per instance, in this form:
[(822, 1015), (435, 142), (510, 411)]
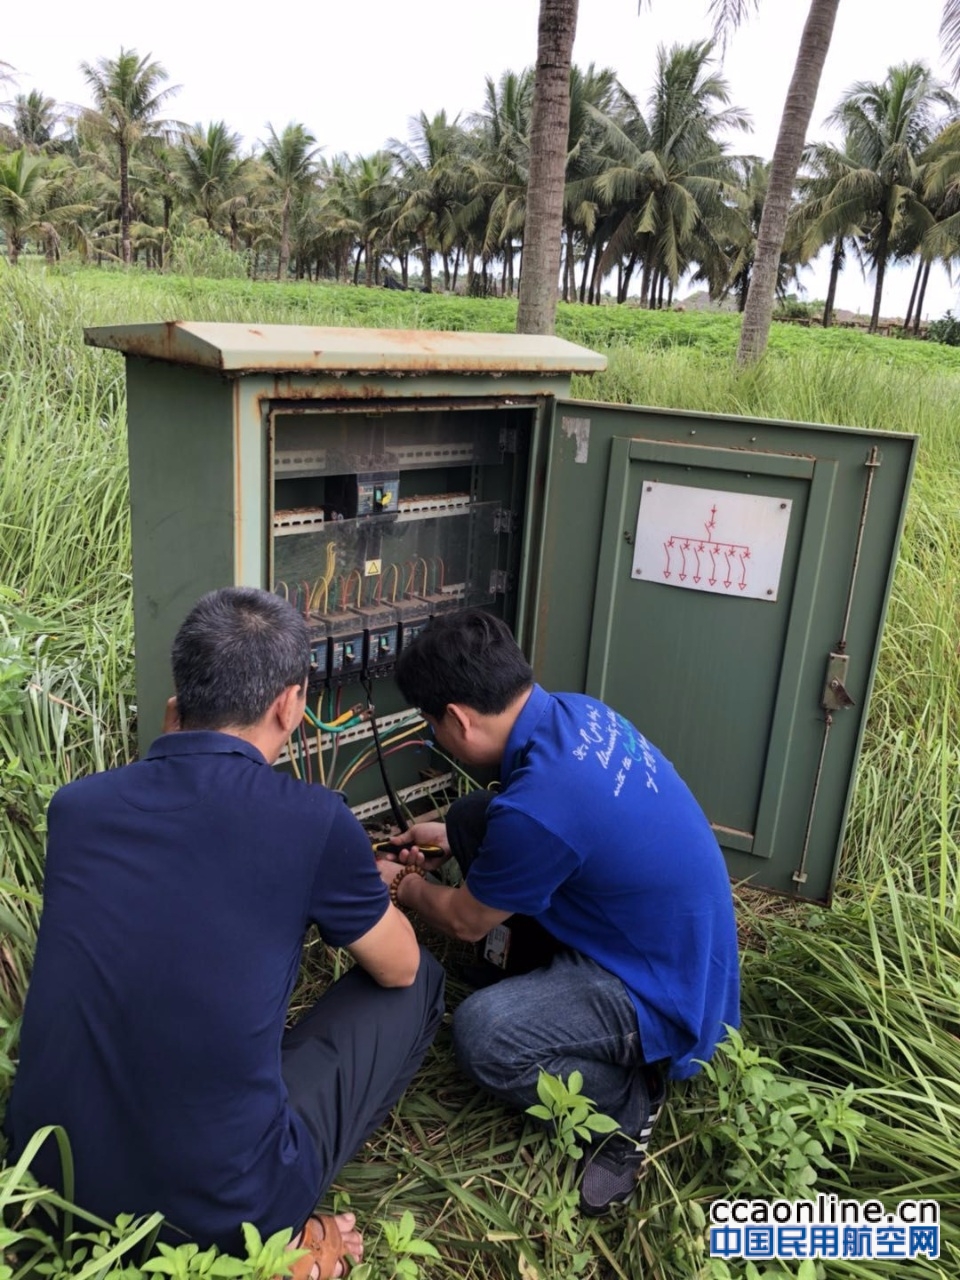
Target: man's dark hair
[(468, 657), (236, 651)]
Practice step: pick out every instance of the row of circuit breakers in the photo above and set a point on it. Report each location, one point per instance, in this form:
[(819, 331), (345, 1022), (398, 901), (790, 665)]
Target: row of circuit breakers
[(363, 641)]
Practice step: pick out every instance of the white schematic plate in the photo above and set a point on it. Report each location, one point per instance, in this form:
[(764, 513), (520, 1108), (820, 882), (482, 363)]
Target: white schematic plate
[(731, 544)]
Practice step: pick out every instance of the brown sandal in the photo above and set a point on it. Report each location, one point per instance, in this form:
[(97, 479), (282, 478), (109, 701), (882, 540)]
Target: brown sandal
[(322, 1237)]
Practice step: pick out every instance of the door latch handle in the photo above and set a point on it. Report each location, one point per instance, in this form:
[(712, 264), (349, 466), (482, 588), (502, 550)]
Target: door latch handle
[(835, 696)]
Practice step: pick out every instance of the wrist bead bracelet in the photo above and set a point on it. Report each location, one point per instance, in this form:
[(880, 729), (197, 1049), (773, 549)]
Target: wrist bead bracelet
[(395, 885)]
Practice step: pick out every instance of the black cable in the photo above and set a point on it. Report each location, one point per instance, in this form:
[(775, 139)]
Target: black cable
[(391, 794)]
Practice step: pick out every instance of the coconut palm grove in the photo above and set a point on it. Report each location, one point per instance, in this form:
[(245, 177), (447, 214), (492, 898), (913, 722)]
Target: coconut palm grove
[(660, 186), (844, 1078)]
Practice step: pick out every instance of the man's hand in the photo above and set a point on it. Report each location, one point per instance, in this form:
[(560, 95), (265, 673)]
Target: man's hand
[(171, 717), (432, 835)]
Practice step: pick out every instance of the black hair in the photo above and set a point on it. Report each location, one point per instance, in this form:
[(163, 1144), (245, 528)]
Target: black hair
[(237, 650), (468, 657)]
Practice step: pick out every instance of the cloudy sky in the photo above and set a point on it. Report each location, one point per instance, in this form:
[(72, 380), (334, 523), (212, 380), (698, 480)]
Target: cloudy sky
[(354, 73)]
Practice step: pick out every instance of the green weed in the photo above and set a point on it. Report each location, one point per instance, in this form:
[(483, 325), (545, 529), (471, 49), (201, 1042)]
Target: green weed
[(848, 1073)]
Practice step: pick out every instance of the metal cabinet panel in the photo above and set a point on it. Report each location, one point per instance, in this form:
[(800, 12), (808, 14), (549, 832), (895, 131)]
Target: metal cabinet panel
[(734, 687)]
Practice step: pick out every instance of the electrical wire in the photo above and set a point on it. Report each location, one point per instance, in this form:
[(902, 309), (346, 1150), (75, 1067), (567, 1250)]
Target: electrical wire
[(320, 767), (367, 756)]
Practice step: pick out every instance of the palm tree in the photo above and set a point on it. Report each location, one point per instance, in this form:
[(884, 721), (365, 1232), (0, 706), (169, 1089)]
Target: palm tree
[(290, 163), (667, 173), (128, 99), (212, 170), (495, 209), (753, 177), (879, 180), (594, 96), (34, 119), (549, 129), (21, 192), (433, 181), (825, 165)]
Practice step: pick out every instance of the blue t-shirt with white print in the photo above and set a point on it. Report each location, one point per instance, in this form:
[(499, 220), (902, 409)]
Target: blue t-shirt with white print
[(596, 836)]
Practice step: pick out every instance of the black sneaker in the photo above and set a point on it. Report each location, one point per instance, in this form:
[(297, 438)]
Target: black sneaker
[(610, 1173), (612, 1168)]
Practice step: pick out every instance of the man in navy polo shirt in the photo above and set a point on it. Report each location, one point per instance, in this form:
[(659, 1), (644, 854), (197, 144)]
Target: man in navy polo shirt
[(595, 836), (178, 891)]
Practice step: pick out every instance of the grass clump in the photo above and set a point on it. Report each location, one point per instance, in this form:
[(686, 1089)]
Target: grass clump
[(847, 1076)]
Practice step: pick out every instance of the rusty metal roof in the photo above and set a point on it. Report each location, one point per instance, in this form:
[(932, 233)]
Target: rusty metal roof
[(302, 349)]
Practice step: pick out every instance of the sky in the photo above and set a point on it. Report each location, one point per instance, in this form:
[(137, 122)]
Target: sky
[(355, 76)]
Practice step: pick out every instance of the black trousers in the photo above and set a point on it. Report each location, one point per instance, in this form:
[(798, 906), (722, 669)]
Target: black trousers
[(531, 946), (350, 1058)]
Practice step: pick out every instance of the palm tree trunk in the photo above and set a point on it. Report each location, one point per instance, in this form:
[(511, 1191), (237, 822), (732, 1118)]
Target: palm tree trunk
[(647, 278), (913, 296), (596, 280), (284, 258), (923, 294), (456, 269), (549, 125), (835, 264), (595, 243), (883, 243), (125, 252), (425, 254), (797, 111), (628, 270)]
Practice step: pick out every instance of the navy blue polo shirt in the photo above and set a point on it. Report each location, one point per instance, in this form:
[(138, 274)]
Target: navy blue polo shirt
[(596, 836), (177, 894)]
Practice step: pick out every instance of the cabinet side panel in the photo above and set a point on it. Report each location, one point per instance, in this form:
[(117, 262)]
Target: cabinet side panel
[(180, 443)]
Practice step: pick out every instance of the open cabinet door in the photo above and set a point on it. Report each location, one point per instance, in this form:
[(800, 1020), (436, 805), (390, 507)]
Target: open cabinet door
[(722, 582)]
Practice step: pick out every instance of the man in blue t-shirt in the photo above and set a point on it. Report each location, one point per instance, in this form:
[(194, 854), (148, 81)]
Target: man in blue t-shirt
[(595, 837), (177, 894)]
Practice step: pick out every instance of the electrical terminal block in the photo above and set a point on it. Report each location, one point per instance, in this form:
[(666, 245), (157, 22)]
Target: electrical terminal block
[(319, 653), (302, 462), (413, 616), (380, 637), (427, 506), (297, 520), (345, 641), (441, 602)]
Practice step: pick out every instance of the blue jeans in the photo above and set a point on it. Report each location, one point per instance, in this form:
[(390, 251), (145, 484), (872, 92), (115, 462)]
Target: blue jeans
[(569, 1015)]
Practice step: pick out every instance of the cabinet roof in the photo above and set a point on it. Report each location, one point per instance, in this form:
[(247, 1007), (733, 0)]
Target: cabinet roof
[(243, 348)]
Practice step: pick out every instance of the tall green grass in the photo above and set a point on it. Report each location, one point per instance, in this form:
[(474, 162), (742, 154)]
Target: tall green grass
[(863, 994)]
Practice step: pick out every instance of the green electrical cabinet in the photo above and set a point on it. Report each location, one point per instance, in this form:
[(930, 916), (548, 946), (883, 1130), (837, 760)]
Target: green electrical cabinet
[(720, 581)]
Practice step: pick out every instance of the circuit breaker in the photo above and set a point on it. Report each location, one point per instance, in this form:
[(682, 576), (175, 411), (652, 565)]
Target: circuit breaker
[(721, 581)]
